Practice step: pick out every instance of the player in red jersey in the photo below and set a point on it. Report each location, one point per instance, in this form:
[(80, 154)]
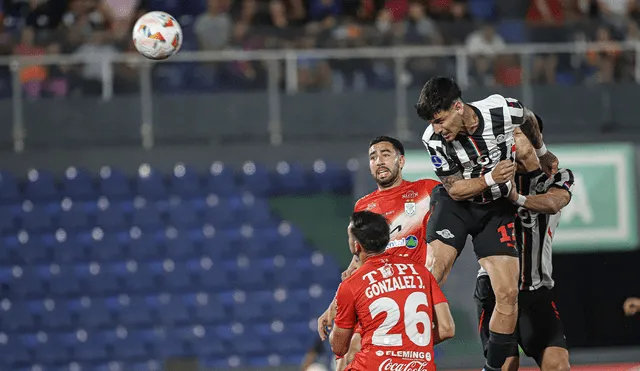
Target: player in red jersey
[(405, 204), (395, 301)]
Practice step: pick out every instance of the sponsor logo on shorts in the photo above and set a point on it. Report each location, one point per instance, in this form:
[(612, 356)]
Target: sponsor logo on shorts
[(445, 233), (389, 365)]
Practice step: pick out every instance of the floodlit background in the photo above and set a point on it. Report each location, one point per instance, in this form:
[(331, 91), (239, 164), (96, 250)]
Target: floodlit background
[(190, 214)]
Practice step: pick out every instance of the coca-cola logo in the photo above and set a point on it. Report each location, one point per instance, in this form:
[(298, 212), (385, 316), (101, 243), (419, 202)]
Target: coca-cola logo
[(389, 365)]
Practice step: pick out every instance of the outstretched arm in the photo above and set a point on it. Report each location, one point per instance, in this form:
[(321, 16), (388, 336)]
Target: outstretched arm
[(548, 203)]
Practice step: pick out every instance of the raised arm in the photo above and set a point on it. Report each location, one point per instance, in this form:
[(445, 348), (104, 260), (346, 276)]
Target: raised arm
[(444, 325), (548, 203), (463, 189)]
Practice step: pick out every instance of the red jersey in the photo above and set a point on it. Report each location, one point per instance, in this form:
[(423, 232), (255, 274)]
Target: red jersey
[(392, 299), (406, 207)]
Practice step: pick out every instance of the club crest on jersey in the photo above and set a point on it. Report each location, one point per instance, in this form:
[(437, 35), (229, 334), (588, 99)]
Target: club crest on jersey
[(371, 206), (410, 208)]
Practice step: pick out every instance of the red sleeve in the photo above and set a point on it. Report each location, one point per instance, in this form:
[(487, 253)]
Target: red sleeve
[(437, 296), (346, 313), (430, 184)]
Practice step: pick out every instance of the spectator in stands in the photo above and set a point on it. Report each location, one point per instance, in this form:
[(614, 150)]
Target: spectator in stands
[(94, 52), (485, 46), (616, 13), (120, 14), (313, 73), (546, 17), (213, 28), (320, 9), (605, 62), (80, 21), (631, 306)]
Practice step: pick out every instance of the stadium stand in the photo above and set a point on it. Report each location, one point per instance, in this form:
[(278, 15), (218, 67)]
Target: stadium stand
[(111, 272)]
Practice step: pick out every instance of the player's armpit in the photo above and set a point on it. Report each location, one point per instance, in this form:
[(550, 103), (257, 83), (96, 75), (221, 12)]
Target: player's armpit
[(461, 189), (340, 339), (444, 326), (548, 203), (531, 128)]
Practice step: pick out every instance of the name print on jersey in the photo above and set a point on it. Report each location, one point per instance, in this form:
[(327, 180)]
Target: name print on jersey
[(391, 282)]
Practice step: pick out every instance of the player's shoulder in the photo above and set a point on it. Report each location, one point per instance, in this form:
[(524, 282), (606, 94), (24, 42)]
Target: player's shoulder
[(425, 184), (430, 135), (363, 202), (492, 101)]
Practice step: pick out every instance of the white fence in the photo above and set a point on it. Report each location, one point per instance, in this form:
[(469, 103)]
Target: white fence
[(274, 59)]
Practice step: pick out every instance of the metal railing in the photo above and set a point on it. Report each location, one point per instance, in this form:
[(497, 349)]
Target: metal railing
[(274, 59)]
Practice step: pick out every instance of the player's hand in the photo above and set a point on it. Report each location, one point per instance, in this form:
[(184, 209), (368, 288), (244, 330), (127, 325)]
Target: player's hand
[(549, 163), (513, 194), (504, 171), (324, 324), (349, 271), (631, 306)]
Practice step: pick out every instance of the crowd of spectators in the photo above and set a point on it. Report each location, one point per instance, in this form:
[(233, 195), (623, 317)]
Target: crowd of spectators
[(93, 29)]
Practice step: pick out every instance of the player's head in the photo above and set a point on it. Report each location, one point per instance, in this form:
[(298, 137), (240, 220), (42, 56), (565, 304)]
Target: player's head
[(526, 158), (386, 160), (368, 233), (440, 103)]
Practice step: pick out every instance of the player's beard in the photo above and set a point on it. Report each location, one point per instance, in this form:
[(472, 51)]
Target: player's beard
[(393, 176)]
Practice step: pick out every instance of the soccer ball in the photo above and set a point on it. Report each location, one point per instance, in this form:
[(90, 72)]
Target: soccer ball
[(157, 35)]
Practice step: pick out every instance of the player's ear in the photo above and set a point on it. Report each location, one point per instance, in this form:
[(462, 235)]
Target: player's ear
[(459, 107), (401, 161)]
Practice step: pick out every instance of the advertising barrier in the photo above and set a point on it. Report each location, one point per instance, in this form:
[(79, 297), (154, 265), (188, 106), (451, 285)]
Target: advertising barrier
[(602, 213)]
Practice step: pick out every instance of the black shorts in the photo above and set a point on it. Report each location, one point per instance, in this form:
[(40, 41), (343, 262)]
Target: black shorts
[(539, 325), (491, 225)]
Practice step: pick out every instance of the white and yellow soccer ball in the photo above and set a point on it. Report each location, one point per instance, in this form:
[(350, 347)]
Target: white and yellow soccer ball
[(157, 35)]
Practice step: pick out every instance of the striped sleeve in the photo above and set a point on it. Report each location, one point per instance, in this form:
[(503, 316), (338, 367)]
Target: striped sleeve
[(563, 179), (443, 165), (516, 110)]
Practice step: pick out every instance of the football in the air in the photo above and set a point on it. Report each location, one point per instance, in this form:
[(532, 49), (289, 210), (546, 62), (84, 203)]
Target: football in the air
[(157, 35)]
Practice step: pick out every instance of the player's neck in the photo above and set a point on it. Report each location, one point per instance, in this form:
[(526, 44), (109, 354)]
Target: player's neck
[(395, 183), (470, 120), (364, 256)]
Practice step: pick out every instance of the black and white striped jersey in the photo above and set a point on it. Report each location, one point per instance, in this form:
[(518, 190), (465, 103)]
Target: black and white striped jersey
[(534, 232), (477, 154)]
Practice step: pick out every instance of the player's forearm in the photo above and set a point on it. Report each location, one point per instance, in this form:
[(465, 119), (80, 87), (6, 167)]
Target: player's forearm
[(531, 129), (544, 204), (464, 189)]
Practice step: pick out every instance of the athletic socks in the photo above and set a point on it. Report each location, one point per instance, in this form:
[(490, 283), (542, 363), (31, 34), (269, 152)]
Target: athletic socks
[(498, 350)]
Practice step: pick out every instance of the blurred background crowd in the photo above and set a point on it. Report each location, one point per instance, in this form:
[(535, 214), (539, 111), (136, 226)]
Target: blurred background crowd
[(95, 29)]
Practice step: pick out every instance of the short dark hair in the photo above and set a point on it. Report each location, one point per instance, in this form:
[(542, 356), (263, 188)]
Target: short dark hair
[(394, 142), (438, 94), (371, 230)]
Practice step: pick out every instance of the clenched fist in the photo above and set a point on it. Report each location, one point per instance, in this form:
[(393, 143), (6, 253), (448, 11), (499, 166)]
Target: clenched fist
[(504, 171)]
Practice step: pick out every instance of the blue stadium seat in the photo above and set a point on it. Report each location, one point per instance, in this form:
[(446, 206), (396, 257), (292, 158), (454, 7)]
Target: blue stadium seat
[(251, 306), (36, 217), (286, 307), (146, 216), (482, 9), (184, 215), (113, 184), (98, 279), (144, 245), (207, 275), (185, 182), (220, 180), (112, 216), (256, 246), (129, 349), (247, 275), (9, 191), (130, 311), (150, 183), (179, 246), (290, 178), (512, 30), (140, 278), (248, 344), (29, 281), (91, 346), (221, 243), (16, 316), (34, 248), (256, 179), (78, 184), (75, 215), (288, 274), (40, 185), (57, 315), (171, 345), (92, 313), (7, 220), (13, 351), (220, 212), (173, 311), (103, 246), (207, 308), (175, 276), (331, 177), (255, 212), (63, 281)]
